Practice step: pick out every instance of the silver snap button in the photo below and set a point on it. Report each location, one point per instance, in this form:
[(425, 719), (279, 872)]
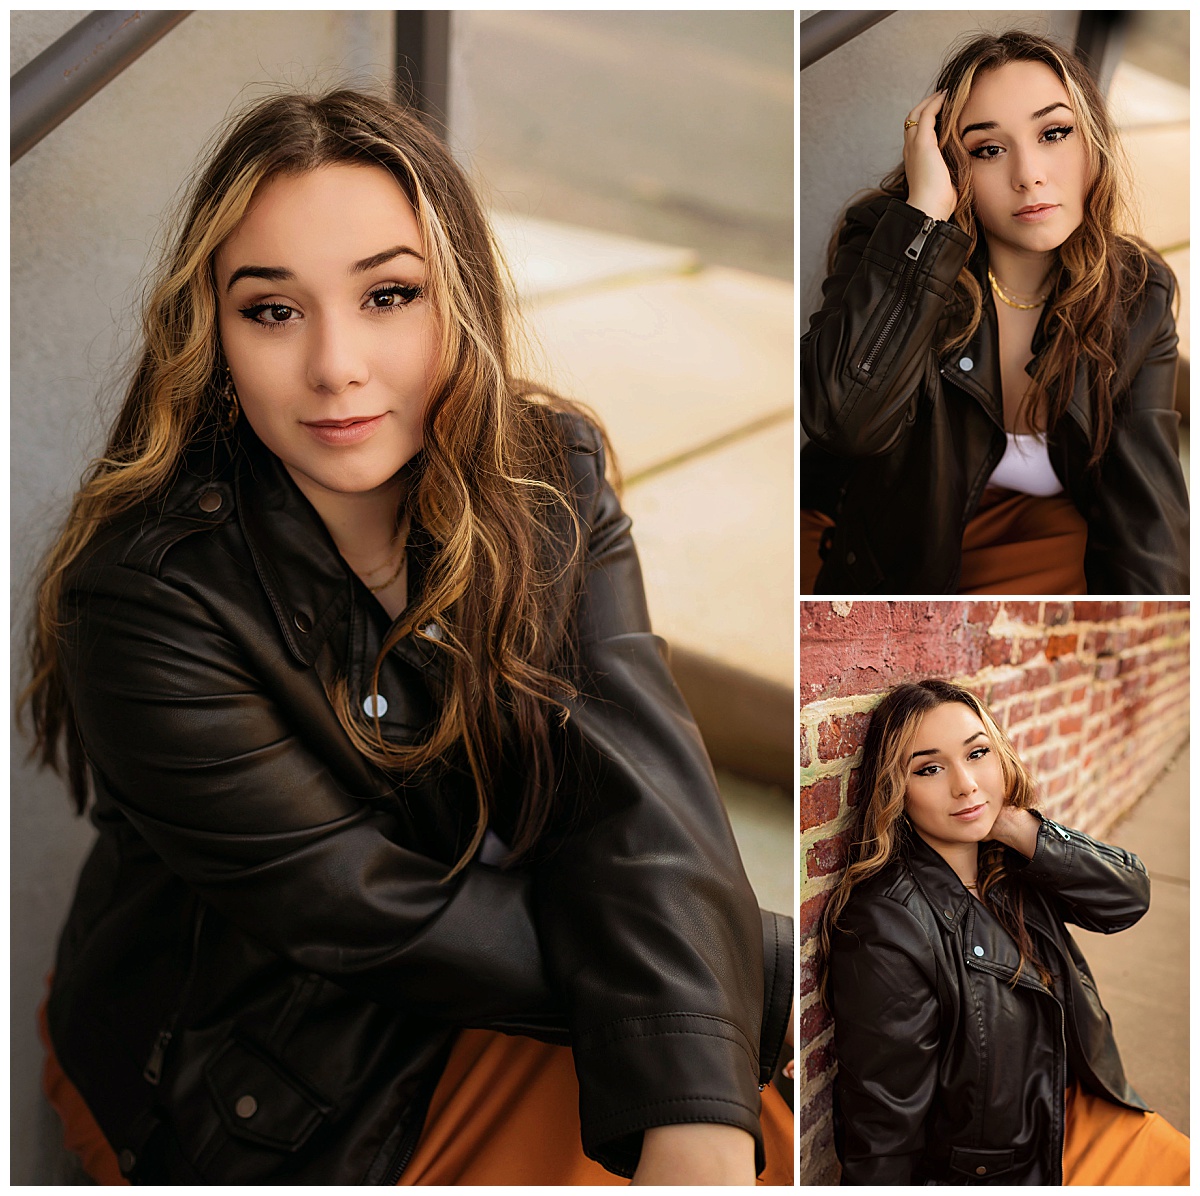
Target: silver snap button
[(303, 622), (376, 704), (433, 631), (947, 913), (126, 1160), (981, 1171), (246, 1106), (210, 501), (978, 951), (966, 364)]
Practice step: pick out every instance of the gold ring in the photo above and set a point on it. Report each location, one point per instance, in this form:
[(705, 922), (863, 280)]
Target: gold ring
[(908, 124)]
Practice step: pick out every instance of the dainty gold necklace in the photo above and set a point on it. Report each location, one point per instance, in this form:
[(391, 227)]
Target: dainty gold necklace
[(999, 289), (399, 569)]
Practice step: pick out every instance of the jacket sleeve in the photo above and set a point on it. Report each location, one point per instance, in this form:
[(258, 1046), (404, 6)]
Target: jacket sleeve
[(649, 925), (1138, 522), (868, 348), (202, 762), (1097, 886), (886, 1031)]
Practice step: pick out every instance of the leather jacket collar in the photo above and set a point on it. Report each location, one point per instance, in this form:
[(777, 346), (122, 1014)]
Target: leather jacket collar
[(982, 379), (309, 585)]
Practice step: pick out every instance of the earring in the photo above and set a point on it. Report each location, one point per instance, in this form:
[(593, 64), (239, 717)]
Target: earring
[(232, 407)]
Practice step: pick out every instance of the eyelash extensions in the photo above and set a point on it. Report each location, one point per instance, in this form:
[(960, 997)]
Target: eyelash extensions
[(401, 295), (1062, 131)]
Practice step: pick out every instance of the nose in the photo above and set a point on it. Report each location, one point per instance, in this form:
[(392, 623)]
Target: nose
[(336, 358), (1028, 168), (963, 781)]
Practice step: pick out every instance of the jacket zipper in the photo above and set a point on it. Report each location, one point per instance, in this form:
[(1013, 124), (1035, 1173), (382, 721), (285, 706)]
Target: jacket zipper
[(152, 1073), (392, 1178), (913, 253), (1062, 1038)]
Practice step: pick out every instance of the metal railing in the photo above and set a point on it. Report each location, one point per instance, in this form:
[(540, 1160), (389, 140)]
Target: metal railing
[(825, 31), (65, 75)]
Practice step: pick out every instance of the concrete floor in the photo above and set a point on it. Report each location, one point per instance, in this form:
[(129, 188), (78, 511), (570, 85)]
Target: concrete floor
[(1143, 973)]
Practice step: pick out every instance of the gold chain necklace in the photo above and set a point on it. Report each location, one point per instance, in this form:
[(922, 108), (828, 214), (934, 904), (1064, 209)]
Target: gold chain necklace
[(1012, 302), (399, 569)]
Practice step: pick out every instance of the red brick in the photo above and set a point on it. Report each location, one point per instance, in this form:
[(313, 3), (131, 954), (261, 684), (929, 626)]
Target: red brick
[(1033, 737), (1078, 694), (1024, 612), (1056, 614), (1019, 712), (820, 803), (1061, 645), (998, 650), (1006, 689), (1038, 677), (827, 856), (982, 613), (810, 914), (1048, 761), (805, 755), (1106, 669), (1066, 667), (842, 736), (814, 1021), (1070, 725), (1049, 702), (1056, 785), (817, 1109), (852, 788), (808, 977), (818, 1062), (1027, 649)]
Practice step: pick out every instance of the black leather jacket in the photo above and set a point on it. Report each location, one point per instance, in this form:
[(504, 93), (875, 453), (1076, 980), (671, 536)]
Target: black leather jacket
[(903, 441), (264, 914), (946, 1073)]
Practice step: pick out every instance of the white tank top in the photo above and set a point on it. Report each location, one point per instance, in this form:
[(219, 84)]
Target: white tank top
[(1026, 466)]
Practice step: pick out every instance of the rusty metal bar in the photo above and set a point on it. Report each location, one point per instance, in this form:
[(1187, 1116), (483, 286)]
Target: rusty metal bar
[(65, 75), (825, 31)]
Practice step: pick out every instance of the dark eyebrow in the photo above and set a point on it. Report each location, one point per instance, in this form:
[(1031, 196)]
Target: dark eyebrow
[(934, 751), (991, 124), (281, 274)]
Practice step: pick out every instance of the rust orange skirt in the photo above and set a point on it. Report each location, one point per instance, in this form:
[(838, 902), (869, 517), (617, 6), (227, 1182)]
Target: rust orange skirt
[(1106, 1144), (506, 1111), (1014, 544)]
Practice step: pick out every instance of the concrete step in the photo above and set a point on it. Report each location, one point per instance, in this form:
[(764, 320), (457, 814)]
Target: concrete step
[(690, 369)]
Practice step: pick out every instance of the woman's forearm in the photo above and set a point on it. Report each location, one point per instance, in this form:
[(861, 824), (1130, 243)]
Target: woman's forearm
[(698, 1153)]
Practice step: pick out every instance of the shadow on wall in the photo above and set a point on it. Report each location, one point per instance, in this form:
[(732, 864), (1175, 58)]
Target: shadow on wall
[(1094, 696)]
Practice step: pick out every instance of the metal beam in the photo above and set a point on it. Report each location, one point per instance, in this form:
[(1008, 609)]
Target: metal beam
[(825, 31), (423, 64), (65, 75)]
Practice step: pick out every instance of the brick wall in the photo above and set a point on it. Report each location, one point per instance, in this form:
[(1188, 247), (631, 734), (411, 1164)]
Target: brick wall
[(1093, 694)]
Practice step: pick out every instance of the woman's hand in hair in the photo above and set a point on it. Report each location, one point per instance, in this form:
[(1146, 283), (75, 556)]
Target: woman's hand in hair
[(929, 186), (697, 1153), (1016, 828)]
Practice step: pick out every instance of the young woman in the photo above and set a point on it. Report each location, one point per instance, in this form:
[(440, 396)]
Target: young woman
[(972, 1046), (989, 384), (345, 636)]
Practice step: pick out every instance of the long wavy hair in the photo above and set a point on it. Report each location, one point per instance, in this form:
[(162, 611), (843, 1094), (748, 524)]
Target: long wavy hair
[(490, 489), (1101, 270), (881, 827)]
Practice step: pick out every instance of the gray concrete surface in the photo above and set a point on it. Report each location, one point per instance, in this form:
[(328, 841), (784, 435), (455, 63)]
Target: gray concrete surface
[(1143, 973)]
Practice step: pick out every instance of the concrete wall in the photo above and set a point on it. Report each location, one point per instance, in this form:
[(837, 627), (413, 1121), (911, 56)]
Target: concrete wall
[(87, 205), (1094, 696), (852, 108)]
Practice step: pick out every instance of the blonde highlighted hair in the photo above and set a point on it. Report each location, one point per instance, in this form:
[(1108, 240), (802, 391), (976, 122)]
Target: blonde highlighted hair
[(1101, 270), (490, 490), (880, 825)]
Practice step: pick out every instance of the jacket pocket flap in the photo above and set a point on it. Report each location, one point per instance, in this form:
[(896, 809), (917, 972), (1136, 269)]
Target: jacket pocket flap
[(260, 1100), (980, 1163)]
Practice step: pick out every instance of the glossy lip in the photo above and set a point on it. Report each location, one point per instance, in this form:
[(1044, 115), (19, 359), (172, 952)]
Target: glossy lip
[(971, 812), (1035, 212), (344, 431)]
